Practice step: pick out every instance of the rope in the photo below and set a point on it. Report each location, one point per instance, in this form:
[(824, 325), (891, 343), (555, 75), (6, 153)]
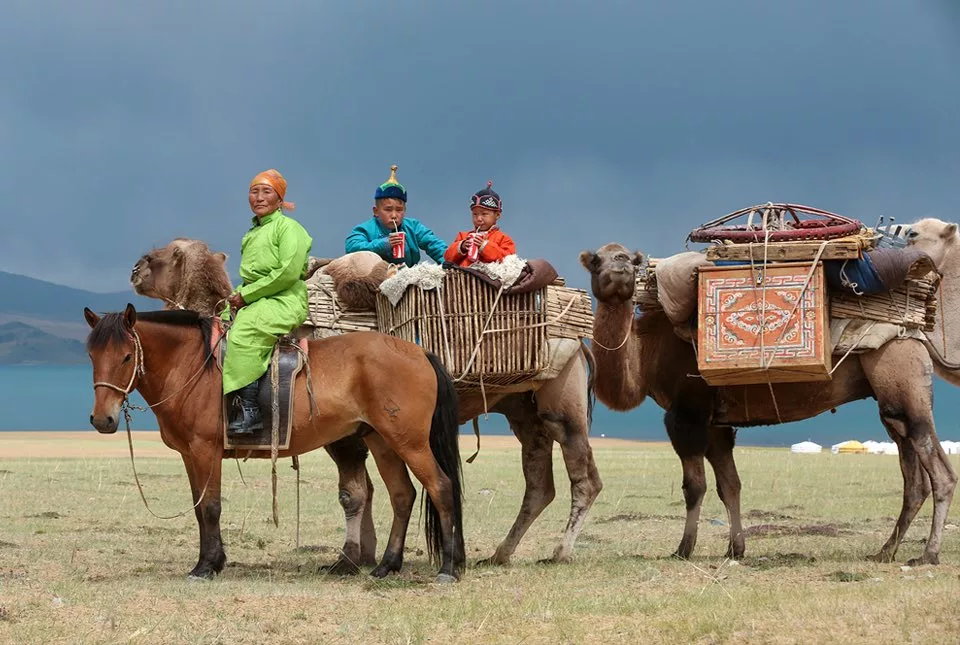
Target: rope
[(296, 467), (126, 407), (443, 329), (275, 430), (476, 349), (622, 343), (139, 367)]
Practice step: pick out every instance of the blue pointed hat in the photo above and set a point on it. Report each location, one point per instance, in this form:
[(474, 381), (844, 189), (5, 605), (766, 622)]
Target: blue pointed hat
[(391, 188)]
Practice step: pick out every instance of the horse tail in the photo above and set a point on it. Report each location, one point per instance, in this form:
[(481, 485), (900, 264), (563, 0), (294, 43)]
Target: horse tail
[(591, 378), (444, 443)]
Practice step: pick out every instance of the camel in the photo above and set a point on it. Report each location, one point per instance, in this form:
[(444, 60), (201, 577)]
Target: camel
[(637, 357), (540, 413), (184, 274)]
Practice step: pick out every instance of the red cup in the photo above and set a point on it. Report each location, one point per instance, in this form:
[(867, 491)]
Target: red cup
[(473, 247), (400, 250)]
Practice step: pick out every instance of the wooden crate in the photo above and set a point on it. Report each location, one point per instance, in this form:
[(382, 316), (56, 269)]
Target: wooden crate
[(844, 248), (793, 341)]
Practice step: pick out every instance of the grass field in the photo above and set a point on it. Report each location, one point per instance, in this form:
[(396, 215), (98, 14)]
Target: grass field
[(81, 560)]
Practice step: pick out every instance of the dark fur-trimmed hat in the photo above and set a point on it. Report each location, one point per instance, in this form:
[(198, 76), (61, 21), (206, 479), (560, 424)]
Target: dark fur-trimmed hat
[(487, 198)]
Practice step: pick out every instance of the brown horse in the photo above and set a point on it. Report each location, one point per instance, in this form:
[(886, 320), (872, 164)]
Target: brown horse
[(399, 399)]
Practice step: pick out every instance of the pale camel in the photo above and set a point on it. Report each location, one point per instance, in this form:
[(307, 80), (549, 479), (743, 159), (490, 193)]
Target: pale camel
[(642, 356), (539, 413)]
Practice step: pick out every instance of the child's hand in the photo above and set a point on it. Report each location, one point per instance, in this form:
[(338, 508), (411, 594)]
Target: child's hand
[(395, 239)]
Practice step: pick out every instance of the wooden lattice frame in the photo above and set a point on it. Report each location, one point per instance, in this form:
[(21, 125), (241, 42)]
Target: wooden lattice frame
[(514, 328)]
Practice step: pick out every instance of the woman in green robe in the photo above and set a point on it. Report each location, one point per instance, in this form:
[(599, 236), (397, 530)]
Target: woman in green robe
[(272, 300)]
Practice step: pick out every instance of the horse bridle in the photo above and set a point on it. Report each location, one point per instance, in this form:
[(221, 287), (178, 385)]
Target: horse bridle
[(138, 368)]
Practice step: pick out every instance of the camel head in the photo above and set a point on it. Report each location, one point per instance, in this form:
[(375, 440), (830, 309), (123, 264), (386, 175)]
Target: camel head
[(167, 272), (935, 237), (613, 272)]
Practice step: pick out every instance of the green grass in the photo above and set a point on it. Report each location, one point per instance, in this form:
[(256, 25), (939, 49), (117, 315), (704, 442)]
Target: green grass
[(81, 560)]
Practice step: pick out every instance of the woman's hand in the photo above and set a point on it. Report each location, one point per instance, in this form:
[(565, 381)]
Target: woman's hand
[(236, 301)]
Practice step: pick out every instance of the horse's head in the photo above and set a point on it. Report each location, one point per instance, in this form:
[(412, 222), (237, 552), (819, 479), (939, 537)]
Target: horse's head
[(114, 348), (613, 272)]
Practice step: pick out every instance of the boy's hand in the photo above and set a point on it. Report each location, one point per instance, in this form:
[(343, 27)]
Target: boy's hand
[(395, 239)]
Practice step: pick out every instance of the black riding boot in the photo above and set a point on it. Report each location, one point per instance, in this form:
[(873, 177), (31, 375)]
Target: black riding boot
[(248, 419)]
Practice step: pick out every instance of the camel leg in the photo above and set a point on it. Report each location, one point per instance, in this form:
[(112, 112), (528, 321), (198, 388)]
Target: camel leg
[(356, 498), (688, 433), (585, 484), (720, 456), (402, 495), (916, 489), (901, 374), (537, 459), (203, 465)]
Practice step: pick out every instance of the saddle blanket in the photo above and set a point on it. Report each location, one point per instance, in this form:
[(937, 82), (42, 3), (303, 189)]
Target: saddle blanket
[(290, 363)]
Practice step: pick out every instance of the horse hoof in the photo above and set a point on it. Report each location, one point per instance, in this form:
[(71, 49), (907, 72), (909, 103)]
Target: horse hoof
[(883, 558), (380, 572), (192, 577), (445, 579)]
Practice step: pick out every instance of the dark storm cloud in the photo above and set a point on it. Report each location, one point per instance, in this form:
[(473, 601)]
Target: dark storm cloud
[(126, 124)]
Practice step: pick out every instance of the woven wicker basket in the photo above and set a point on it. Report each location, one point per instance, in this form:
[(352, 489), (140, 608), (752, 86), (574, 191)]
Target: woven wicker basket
[(913, 305), (485, 336), (327, 316)]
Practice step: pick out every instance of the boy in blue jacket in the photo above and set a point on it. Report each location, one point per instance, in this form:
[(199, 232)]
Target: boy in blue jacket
[(390, 234)]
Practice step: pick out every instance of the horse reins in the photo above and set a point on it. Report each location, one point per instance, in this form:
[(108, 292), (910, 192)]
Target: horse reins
[(139, 368)]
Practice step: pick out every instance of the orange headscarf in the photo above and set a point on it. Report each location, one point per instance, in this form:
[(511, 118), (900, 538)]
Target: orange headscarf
[(276, 181)]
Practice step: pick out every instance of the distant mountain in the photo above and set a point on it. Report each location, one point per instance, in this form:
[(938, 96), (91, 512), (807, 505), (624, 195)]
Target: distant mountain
[(22, 344), (24, 299)]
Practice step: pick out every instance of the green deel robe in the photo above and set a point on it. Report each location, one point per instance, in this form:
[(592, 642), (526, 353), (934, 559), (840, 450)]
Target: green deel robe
[(273, 263)]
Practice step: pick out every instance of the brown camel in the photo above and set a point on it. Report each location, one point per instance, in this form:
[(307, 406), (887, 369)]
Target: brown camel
[(539, 413), (642, 356), (184, 274)]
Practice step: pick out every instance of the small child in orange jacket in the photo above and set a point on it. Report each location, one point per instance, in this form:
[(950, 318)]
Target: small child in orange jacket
[(489, 243)]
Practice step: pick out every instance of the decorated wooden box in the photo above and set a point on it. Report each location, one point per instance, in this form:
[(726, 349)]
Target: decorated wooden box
[(760, 324)]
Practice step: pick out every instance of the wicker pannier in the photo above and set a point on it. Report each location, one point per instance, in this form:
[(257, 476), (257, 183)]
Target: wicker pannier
[(483, 335)]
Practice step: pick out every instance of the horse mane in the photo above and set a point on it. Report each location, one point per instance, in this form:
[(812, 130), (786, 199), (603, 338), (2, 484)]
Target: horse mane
[(111, 328)]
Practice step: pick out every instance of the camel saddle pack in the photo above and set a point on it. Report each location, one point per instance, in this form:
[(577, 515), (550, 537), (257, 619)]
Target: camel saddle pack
[(293, 352)]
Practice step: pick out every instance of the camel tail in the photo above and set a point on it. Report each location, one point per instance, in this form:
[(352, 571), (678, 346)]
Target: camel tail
[(444, 443)]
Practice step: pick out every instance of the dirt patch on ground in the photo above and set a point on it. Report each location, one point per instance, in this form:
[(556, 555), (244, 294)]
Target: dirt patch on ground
[(779, 560), (776, 530), (637, 517), (316, 548), (47, 515), (757, 514), (8, 545)]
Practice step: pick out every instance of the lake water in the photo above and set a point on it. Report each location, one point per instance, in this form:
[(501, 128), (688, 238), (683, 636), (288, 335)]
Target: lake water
[(45, 397)]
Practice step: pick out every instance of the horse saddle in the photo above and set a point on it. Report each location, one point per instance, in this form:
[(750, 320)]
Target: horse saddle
[(293, 352)]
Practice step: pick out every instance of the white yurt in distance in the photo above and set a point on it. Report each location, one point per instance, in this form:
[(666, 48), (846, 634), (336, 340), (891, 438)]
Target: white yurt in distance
[(806, 447)]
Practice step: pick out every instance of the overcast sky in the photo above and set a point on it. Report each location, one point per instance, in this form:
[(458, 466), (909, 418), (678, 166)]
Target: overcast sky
[(125, 124)]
